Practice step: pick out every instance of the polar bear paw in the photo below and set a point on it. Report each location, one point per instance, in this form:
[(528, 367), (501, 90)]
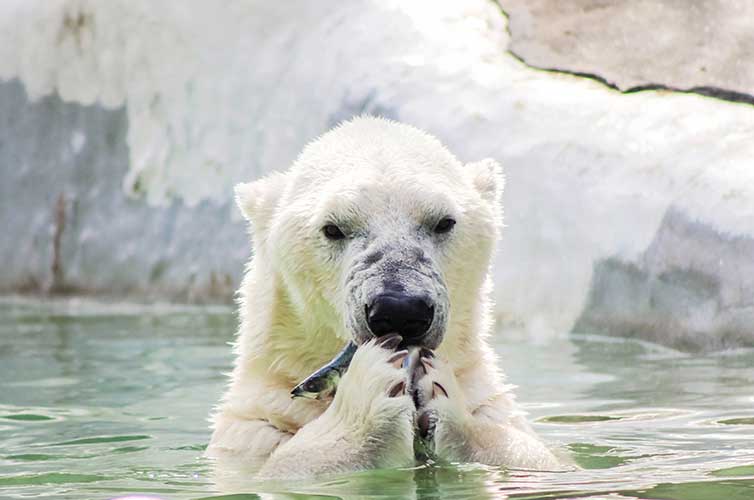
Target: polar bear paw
[(377, 372), (441, 415), (372, 404)]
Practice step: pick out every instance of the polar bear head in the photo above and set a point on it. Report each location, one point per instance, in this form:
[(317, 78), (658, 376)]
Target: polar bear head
[(377, 228)]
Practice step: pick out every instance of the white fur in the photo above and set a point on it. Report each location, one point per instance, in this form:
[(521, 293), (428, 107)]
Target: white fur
[(385, 179)]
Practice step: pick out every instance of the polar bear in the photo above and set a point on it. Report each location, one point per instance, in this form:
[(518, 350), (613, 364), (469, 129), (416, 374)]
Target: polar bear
[(379, 235)]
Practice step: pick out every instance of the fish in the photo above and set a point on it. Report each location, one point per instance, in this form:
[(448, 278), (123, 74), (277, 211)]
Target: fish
[(323, 383)]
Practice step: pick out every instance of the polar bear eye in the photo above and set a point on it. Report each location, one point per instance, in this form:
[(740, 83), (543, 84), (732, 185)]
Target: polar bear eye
[(333, 232), (445, 225)]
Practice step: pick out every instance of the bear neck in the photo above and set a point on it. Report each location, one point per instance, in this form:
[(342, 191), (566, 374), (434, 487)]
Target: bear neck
[(469, 328), (276, 337)]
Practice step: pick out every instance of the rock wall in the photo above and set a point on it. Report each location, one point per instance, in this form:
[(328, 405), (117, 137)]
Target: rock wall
[(69, 226), (124, 125), (692, 286)]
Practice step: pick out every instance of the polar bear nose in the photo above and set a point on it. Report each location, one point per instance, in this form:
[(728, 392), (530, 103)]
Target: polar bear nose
[(409, 315)]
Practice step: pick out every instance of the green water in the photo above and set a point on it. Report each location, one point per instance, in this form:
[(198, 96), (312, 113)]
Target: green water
[(104, 401)]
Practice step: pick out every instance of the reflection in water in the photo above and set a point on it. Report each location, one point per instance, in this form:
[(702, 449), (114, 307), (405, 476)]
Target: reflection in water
[(461, 481), (107, 401)]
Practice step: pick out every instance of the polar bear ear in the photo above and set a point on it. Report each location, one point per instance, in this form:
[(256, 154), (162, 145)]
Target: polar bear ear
[(487, 177), (257, 199)]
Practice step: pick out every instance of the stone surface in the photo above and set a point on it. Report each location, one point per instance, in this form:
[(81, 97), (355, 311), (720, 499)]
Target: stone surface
[(701, 45), (145, 126), (692, 288), (68, 225)]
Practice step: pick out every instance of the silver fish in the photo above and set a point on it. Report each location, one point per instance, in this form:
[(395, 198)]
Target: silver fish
[(324, 382)]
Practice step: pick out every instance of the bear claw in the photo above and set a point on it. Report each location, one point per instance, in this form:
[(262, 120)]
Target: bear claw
[(427, 364), (437, 388), (398, 358), (397, 390), (390, 341)]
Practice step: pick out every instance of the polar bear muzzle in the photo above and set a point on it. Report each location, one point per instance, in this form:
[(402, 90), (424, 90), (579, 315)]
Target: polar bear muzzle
[(395, 285), (403, 313)]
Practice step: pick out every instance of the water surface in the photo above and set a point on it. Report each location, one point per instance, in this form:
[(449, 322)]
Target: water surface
[(100, 401)]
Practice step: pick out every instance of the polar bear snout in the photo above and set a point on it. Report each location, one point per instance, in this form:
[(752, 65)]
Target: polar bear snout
[(406, 314), (403, 292)]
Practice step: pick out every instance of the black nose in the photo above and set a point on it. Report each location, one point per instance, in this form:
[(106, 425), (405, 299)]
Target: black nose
[(409, 315)]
